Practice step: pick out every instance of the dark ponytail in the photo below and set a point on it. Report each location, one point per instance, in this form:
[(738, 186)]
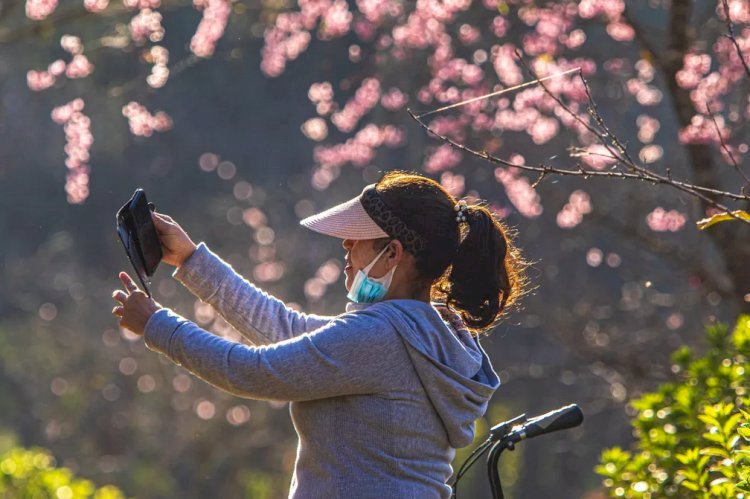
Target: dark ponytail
[(483, 278), (472, 266)]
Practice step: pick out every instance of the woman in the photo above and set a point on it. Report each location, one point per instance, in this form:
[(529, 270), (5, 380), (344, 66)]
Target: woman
[(382, 395)]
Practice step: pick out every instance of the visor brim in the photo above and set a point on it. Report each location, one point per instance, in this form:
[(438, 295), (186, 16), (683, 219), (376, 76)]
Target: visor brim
[(347, 220)]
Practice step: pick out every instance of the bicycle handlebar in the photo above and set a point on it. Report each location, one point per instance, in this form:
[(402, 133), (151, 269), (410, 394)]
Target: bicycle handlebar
[(505, 435)]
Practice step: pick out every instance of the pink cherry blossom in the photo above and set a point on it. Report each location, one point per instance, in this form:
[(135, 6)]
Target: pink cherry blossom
[(702, 130), (71, 44), (358, 150), (453, 183), (39, 80), (500, 26), (597, 157), (365, 98), (79, 139), (315, 129), (212, 26), (142, 4), (543, 129), (620, 31), (394, 99), (519, 191), (95, 5), (695, 66), (146, 25), (571, 215), (574, 39), (505, 65), (142, 122), (40, 9), (79, 67), (661, 220), (158, 77), (442, 158), (57, 68), (336, 20), (651, 153), (647, 128), (468, 34), (739, 11), (609, 9), (375, 11)]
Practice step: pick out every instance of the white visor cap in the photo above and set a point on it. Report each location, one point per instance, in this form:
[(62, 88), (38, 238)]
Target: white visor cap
[(347, 220)]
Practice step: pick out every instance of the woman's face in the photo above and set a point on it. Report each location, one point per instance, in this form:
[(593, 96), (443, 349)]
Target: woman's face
[(360, 253)]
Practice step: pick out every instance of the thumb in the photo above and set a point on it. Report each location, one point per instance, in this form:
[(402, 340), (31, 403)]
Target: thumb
[(159, 222)]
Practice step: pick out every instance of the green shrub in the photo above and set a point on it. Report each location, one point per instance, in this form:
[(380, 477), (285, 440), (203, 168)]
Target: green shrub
[(693, 434), (31, 473)]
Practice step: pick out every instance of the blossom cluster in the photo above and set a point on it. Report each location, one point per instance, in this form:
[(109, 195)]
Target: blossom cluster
[(290, 34), (212, 26), (360, 149), (159, 56), (95, 5), (79, 139), (146, 25), (365, 98), (78, 67), (661, 220), (571, 215), (519, 190), (142, 122), (40, 9), (710, 77)]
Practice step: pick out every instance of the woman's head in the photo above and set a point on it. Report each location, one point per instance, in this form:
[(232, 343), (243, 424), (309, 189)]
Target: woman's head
[(472, 265)]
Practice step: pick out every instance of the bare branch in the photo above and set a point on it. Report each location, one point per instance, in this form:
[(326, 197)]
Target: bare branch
[(731, 36), (580, 171), (725, 147), (613, 145), (611, 142)]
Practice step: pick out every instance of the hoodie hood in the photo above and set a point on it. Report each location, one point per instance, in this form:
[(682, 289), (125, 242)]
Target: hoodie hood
[(454, 369)]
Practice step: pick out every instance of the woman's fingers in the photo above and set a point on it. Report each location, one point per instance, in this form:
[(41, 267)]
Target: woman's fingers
[(161, 217), (130, 285), (118, 310), (120, 296)]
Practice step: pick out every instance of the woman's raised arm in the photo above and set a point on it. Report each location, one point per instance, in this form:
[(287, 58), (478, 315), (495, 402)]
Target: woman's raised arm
[(357, 353), (259, 317)]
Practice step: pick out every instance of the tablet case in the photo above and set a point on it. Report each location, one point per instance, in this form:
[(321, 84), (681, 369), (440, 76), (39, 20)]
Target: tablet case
[(139, 237)]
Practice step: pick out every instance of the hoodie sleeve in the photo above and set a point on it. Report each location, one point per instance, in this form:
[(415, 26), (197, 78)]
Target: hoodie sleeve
[(356, 353), (258, 316)]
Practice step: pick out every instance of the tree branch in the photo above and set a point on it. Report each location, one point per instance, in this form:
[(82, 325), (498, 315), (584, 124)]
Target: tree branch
[(731, 36), (725, 147)]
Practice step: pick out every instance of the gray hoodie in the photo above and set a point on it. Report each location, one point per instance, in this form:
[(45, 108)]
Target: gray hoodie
[(381, 396)]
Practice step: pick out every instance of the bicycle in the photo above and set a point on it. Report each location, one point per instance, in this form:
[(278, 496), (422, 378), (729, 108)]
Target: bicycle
[(507, 434)]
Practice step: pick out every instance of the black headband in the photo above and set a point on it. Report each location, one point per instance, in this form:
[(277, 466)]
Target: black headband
[(387, 220)]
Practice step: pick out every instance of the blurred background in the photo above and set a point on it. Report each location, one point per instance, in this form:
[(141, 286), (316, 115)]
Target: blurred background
[(273, 112)]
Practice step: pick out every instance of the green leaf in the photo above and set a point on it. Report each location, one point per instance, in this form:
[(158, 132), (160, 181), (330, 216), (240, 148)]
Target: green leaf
[(714, 451), (714, 437)]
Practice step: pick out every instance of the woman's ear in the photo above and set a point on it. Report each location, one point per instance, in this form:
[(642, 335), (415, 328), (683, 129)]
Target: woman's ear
[(394, 254)]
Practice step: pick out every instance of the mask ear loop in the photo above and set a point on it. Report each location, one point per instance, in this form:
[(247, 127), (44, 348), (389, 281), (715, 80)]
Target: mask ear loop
[(367, 269)]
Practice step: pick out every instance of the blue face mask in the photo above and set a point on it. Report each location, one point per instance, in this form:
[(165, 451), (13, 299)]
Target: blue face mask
[(370, 289)]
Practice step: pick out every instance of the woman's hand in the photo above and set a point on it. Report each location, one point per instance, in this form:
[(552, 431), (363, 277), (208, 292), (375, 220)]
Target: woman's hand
[(176, 245), (135, 307)]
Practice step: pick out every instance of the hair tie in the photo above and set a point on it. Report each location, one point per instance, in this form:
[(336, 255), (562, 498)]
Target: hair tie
[(461, 207)]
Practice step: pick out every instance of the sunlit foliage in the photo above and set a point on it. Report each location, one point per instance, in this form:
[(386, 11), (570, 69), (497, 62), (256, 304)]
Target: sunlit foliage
[(694, 433)]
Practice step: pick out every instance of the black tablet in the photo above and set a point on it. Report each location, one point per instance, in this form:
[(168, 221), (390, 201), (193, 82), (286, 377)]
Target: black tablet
[(139, 237)]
